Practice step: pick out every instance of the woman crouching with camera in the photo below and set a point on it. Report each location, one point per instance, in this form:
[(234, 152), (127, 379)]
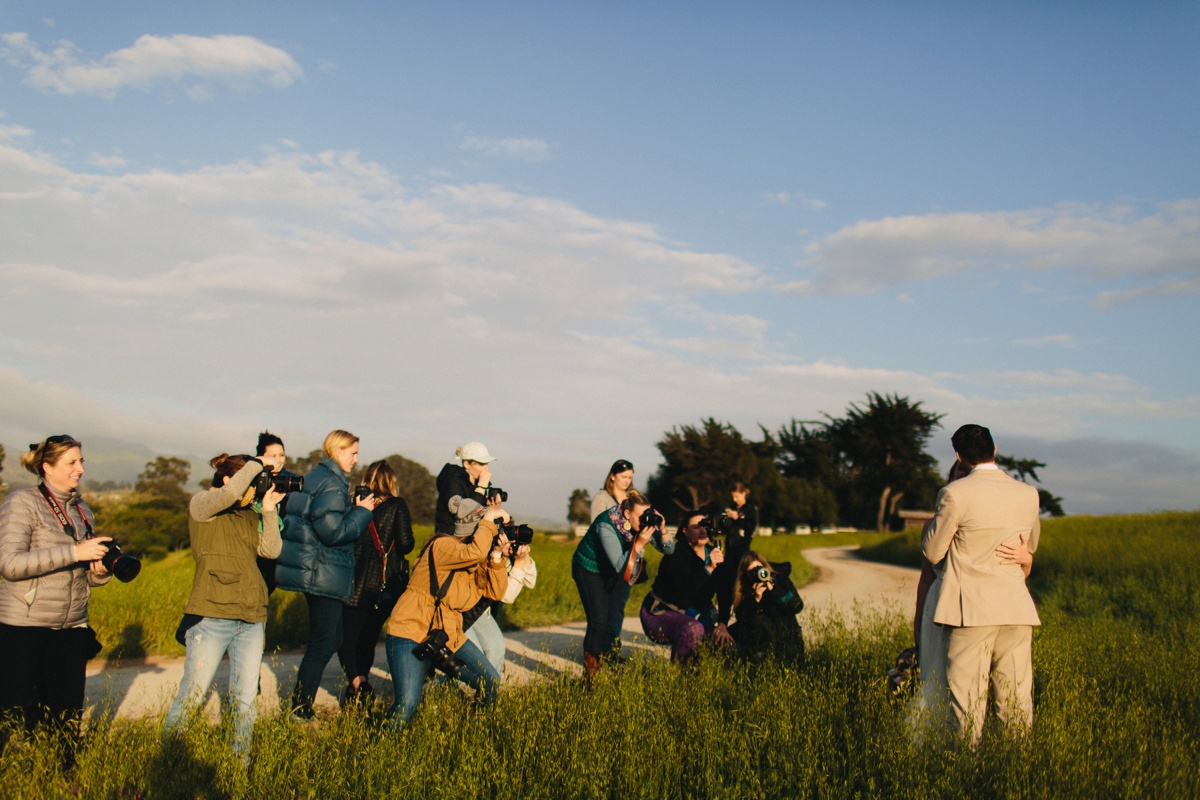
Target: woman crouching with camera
[(451, 574), (766, 604), (227, 610), (608, 561), (679, 609)]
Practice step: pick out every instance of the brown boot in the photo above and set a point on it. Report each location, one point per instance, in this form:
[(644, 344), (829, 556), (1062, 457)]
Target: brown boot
[(591, 665)]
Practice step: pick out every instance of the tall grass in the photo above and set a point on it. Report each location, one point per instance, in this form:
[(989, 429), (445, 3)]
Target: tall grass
[(824, 729)]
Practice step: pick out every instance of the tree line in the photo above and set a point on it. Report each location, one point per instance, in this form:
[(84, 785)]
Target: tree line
[(858, 469)]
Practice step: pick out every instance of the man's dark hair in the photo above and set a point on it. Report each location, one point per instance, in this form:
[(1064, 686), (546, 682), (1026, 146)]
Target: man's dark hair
[(974, 443), (265, 440)]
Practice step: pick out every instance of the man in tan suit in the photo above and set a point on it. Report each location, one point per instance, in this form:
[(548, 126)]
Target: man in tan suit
[(983, 596)]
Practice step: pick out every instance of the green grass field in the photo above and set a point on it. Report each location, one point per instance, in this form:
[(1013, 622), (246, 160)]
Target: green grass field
[(1117, 711)]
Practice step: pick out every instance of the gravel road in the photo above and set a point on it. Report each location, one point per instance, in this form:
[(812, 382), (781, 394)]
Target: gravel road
[(845, 585)]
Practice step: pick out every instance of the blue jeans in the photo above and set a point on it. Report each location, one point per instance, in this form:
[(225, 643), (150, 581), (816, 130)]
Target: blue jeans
[(604, 606), (324, 639), (486, 635), (409, 673), (207, 641)]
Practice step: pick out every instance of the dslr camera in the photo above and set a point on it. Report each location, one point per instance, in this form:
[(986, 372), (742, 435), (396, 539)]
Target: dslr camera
[(124, 567), (517, 536), (496, 491), (435, 648), (717, 525), (283, 484), (652, 519), (361, 491)]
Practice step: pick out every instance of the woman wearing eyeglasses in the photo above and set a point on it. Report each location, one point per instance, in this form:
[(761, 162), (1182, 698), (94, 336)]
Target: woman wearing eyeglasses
[(49, 561)]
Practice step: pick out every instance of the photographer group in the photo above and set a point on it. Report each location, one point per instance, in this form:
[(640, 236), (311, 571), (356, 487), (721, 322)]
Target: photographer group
[(256, 528), (679, 610)]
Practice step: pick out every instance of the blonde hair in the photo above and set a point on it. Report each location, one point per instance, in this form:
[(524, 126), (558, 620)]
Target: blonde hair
[(380, 478), (337, 440), (634, 498), (48, 451)]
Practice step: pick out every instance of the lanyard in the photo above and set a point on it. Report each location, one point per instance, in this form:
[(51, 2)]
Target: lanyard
[(379, 547), (52, 501)]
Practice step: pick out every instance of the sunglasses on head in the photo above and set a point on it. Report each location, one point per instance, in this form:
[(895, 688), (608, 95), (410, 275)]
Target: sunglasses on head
[(619, 467), (59, 439)]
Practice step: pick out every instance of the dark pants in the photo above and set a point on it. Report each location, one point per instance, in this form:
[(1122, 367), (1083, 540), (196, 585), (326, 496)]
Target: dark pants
[(361, 626), (42, 674), (324, 639), (604, 606)]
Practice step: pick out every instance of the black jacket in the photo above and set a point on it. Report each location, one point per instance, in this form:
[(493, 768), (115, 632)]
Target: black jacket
[(769, 627), (737, 544), (452, 481), (394, 528)]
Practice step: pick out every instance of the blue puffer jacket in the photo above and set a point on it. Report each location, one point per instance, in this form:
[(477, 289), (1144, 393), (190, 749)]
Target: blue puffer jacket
[(319, 534)]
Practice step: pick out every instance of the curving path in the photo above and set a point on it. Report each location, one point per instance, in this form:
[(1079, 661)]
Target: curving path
[(845, 586)]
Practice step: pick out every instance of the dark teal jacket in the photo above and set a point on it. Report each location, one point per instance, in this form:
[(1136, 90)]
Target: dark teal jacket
[(319, 532)]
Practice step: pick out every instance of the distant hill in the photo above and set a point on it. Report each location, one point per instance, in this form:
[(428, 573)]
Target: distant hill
[(105, 460)]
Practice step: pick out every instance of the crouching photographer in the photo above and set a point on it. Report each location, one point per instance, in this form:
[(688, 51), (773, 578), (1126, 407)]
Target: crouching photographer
[(766, 604), (452, 573), (679, 609)]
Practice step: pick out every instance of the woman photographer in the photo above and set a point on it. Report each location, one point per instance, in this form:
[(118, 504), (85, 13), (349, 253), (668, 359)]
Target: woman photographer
[(471, 480), (608, 561), (319, 533), (270, 451), (452, 573), (50, 561), (380, 577), (227, 609), (766, 604), (679, 609), (616, 487)]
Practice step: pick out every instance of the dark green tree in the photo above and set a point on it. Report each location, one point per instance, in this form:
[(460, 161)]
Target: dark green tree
[(302, 465), (1020, 468), (702, 463), (579, 507), (881, 449), (418, 487), (154, 521)]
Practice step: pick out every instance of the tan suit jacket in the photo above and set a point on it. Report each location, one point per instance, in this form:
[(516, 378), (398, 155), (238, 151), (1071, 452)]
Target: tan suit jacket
[(974, 516)]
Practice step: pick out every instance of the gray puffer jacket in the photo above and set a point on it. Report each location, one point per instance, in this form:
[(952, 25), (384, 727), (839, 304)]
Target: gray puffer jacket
[(43, 586)]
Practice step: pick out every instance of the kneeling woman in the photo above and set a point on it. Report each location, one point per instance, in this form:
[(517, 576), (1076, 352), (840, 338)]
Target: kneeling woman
[(608, 561), (228, 606), (766, 604), (450, 576), (679, 609)]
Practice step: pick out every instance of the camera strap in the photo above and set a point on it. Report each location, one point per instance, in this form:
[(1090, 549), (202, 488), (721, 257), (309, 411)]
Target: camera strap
[(437, 591), (384, 554), (63, 520)]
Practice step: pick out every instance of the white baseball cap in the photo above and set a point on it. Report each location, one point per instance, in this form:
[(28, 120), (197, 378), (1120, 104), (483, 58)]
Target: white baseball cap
[(475, 451)]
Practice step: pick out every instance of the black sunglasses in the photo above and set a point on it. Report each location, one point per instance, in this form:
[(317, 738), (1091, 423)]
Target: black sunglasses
[(59, 439), (619, 467)]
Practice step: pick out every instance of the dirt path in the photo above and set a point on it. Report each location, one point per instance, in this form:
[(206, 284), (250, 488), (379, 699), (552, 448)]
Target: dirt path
[(844, 585)]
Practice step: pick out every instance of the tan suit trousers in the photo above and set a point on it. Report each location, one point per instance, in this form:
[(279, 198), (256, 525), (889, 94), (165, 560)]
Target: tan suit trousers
[(1001, 655)]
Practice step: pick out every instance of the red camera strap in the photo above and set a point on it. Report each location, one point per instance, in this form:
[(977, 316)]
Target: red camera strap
[(63, 519)]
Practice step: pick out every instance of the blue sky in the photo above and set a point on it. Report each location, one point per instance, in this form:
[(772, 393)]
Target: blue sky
[(564, 228)]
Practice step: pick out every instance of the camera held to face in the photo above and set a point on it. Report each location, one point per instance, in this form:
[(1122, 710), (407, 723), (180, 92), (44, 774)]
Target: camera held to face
[(717, 525), (124, 567), (517, 535), (651, 519), (435, 648), (496, 491), (283, 484), (762, 575)]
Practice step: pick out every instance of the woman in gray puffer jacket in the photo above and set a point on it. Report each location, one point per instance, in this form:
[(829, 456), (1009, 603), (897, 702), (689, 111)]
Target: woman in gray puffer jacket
[(49, 560), (319, 532)]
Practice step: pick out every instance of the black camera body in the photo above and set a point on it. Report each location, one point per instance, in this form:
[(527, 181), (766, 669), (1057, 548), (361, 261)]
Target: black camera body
[(435, 648), (283, 484), (762, 575), (518, 534), (652, 519), (124, 567), (362, 491), (496, 491)]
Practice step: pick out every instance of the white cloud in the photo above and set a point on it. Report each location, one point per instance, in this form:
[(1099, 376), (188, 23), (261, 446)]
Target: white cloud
[(787, 198), (1161, 242), (152, 61), (106, 162), (518, 148), (1064, 340)]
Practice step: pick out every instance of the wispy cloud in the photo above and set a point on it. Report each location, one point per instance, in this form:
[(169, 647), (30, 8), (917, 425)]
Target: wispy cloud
[(152, 61), (106, 162), (1159, 242), (517, 148), (799, 198), (1064, 340)]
